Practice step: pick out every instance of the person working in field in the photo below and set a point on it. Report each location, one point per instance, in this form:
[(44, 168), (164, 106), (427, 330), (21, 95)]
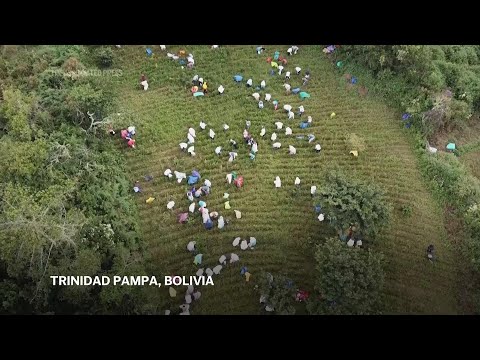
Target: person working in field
[(205, 87), (431, 253), (144, 82)]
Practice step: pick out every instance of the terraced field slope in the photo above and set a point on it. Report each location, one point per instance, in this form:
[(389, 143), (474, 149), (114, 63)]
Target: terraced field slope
[(283, 222)]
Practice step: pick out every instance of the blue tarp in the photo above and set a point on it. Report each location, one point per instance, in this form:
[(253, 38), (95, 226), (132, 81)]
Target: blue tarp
[(451, 146), (296, 91), (192, 180), (198, 93), (149, 52), (238, 78), (304, 125), (209, 224)]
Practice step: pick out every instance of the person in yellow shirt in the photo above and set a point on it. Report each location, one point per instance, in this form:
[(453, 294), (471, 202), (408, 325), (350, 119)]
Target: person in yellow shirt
[(204, 87)]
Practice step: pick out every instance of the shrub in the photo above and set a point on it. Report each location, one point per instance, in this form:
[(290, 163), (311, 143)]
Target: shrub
[(347, 201), (104, 56), (278, 293), (407, 210), (349, 280), (72, 64)]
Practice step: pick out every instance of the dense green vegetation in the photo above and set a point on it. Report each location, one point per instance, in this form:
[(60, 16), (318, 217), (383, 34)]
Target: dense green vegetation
[(65, 206), (440, 87), (349, 280)]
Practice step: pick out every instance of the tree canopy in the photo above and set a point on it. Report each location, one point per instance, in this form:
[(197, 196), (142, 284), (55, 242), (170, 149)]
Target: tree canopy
[(346, 201), (349, 280)]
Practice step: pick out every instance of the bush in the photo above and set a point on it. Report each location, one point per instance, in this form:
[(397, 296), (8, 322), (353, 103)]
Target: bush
[(346, 201), (72, 64), (407, 210), (104, 56), (278, 293), (349, 280), (451, 180)]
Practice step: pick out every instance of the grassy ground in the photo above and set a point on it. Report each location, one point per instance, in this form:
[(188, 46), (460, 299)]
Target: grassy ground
[(285, 225)]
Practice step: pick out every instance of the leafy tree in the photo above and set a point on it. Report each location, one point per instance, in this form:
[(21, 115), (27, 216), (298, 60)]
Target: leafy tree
[(104, 56), (349, 280), (34, 224), (85, 98), (278, 293), (21, 160), (346, 201), (16, 108)]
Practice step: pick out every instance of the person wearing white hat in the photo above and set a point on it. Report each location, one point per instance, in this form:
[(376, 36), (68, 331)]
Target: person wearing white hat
[(301, 110), (277, 182), (233, 156), (195, 80), (191, 246)]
